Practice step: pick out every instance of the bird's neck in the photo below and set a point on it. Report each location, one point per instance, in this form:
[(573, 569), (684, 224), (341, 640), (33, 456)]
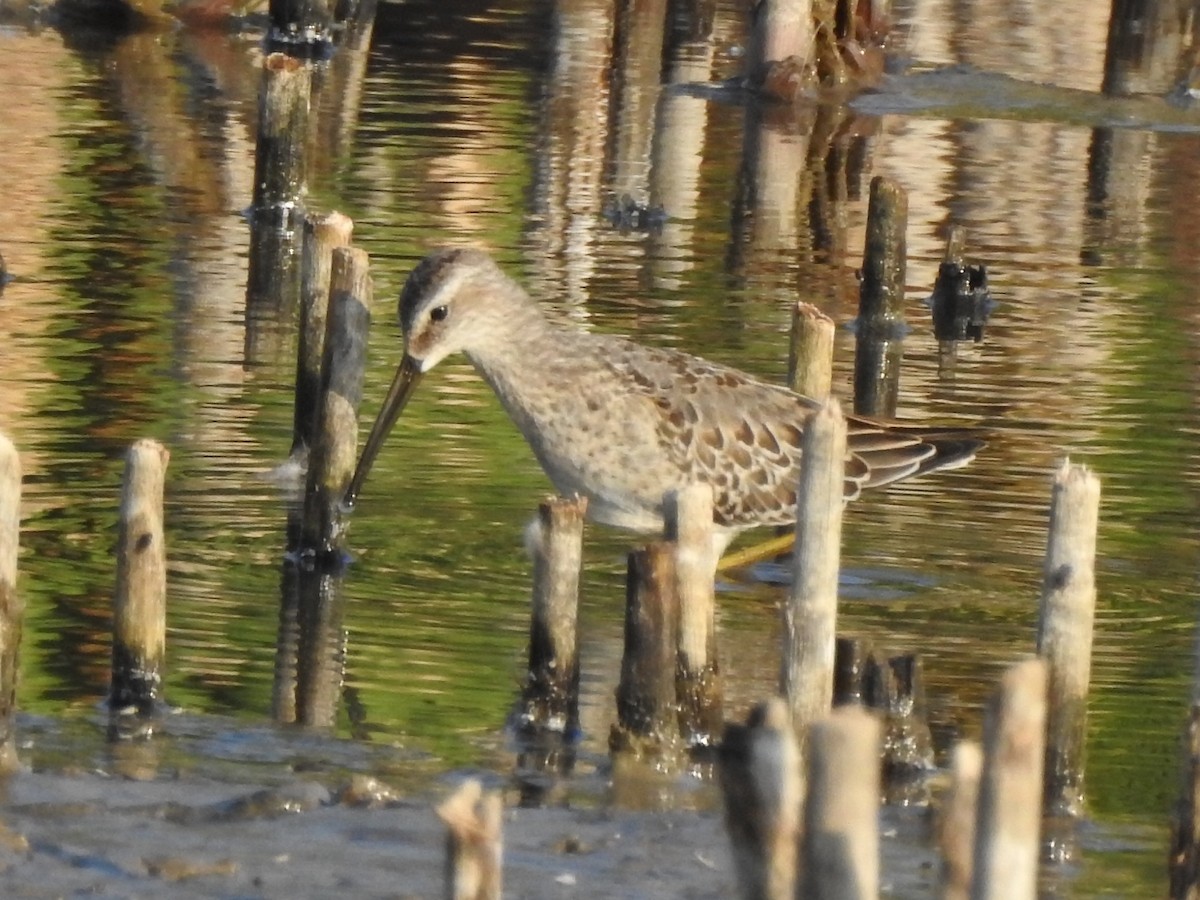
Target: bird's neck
[(529, 351)]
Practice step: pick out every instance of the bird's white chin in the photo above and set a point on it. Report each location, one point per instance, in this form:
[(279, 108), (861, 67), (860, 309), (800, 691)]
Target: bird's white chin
[(424, 365)]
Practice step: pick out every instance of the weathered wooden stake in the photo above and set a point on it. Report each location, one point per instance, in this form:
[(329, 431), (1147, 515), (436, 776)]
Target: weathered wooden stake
[(759, 768), (1008, 821), (646, 713), (140, 603), (12, 609), (810, 362), (331, 463), (956, 826), (810, 614), (551, 695), (1064, 638), (474, 842), (322, 234), (880, 325), (689, 514), (841, 812), (781, 30)]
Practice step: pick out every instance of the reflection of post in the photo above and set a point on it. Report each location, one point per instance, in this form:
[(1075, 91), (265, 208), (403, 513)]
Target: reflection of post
[(1184, 857), (880, 326), (273, 280), (287, 644), (1145, 54), (320, 655), (637, 73), (573, 134), (676, 156), (11, 608), (774, 153), (337, 86)]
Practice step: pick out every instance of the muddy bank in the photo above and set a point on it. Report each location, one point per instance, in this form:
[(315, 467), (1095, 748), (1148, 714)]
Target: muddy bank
[(103, 836)]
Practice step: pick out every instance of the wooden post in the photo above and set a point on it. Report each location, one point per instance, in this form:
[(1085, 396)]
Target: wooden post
[(331, 463), (140, 603), (1008, 821), (1064, 637), (759, 769), (474, 845), (841, 813), (322, 234), (810, 362), (880, 324), (689, 515), (956, 826), (646, 713), (810, 614), (551, 696), (781, 30), (12, 609)]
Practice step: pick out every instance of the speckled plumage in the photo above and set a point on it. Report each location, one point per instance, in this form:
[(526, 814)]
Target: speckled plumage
[(623, 423)]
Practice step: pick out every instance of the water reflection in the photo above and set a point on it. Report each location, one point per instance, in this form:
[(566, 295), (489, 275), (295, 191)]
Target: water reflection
[(512, 127)]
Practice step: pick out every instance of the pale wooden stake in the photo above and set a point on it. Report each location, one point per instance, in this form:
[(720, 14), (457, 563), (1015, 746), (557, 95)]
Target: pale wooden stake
[(474, 845), (1064, 637), (956, 828), (140, 603), (810, 364), (759, 768), (841, 812), (551, 693), (810, 613), (689, 514), (1008, 821)]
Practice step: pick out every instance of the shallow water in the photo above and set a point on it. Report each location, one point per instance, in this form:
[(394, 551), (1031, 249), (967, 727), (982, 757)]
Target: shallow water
[(130, 161)]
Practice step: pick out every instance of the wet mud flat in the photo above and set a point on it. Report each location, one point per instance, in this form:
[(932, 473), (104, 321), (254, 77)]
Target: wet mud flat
[(74, 833), (90, 834)]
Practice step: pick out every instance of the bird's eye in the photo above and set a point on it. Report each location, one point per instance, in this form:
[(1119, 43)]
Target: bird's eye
[(439, 313)]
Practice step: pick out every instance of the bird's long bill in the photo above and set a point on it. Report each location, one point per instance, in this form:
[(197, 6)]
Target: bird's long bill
[(408, 376)]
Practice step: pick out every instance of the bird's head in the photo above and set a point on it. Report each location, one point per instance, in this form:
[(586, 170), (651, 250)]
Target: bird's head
[(443, 310)]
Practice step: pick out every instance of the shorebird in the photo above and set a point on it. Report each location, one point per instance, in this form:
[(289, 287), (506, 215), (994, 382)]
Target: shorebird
[(622, 423)]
